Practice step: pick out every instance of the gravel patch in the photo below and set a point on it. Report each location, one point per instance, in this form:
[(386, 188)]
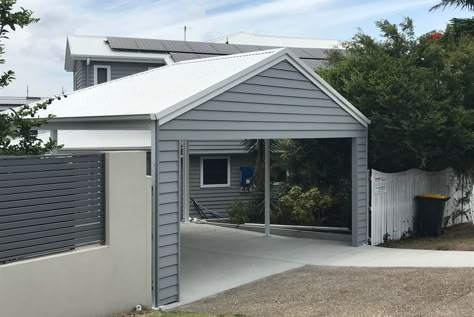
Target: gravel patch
[(349, 291)]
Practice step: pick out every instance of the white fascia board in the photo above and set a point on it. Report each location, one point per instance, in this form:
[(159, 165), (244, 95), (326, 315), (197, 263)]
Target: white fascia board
[(190, 103), (162, 58), (130, 122), (327, 89)]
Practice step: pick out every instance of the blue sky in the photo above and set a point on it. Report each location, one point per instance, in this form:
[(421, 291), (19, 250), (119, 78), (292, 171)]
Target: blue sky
[(36, 53)]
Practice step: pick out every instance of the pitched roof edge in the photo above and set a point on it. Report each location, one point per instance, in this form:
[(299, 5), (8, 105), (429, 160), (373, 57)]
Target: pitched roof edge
[(212, 91), (329, 90), (273, 59)]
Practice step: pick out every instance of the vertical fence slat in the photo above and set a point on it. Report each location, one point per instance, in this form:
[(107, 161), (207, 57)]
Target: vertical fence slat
[(393, 199)]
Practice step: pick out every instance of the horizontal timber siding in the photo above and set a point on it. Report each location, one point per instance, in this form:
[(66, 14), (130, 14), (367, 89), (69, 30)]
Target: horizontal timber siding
[(217, 198), (120, 69), (279, 102), (360, 181), (50, 204), (168, 261)]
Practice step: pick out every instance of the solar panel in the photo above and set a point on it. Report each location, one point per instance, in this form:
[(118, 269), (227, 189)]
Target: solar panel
[(150, 45), (179, 57), (315, 52), (202, 48), (248, 48), (313, 63), (122, 43), (226, 49), (176, 46)]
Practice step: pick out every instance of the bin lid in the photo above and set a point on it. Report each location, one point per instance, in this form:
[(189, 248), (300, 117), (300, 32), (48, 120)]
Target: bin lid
[(434, 196)]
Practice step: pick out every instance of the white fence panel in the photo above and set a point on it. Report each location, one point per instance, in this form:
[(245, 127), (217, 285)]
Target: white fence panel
[(393, 199)]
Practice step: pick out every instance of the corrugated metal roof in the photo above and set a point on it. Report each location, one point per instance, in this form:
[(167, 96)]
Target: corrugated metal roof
[(166, 92), (278, 41), (157, 90)]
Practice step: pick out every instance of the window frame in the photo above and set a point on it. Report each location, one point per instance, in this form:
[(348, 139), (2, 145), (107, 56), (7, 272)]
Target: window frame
[(109, 73), (202, 158)]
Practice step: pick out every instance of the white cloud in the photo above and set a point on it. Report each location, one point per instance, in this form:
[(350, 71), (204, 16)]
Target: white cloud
[(36, 53)]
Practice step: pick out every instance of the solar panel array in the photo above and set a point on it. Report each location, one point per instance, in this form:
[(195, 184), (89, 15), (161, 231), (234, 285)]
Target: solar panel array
[(181, 50)]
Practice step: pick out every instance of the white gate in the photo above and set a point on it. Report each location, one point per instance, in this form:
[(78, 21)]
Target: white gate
[(393, 199)]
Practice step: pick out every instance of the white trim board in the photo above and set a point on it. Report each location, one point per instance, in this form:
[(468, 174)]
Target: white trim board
[(109, 73), (201, 176)]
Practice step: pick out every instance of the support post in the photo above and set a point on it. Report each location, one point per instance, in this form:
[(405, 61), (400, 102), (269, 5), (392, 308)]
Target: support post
[(267, 187), (186, 206), (53, 134), (155, 215)]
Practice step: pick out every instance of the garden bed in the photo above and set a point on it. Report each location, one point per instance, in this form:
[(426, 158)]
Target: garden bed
[(455, 238)]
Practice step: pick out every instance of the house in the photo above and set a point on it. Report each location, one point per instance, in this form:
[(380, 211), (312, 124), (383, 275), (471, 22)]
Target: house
[(246, 38), (7, 102), (265, 95), (96, 60)]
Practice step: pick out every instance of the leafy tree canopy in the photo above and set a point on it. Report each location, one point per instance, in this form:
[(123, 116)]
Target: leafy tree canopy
[(16, 137), (418, 92), (463, 4)]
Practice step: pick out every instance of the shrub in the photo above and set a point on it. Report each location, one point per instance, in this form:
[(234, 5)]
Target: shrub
[(242, 211), (307, 208)]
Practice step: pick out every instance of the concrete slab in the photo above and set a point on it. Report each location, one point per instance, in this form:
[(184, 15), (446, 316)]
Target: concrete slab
[(215, 259)]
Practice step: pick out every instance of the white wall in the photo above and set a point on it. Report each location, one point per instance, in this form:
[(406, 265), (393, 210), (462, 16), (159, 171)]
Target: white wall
[(94, 281)]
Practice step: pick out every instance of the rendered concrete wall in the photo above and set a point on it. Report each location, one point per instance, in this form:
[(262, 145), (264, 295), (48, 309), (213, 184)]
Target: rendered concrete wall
[(94, 281)]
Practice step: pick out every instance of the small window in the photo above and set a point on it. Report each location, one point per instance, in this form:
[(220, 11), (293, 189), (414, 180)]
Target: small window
[(101, 74), (215, 171)]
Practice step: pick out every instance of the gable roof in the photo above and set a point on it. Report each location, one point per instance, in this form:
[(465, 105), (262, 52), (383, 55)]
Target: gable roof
[(79, 47), (167, 92)]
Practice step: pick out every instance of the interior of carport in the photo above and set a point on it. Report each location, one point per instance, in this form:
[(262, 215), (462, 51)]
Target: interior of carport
[(265, 95)]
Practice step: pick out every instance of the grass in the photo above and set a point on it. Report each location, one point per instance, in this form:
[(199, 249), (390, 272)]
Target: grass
[(172, 314), (455, 238)]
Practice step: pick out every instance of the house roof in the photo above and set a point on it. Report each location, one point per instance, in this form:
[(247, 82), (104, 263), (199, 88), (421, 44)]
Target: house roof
[(167, 92), (278, 41), (80, 47), (138, 49)]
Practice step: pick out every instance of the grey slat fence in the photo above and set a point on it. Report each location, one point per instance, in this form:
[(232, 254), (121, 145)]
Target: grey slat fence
[(50, 204)]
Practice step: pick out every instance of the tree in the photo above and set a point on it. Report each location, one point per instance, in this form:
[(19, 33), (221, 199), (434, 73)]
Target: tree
[(418, 93), (9, 21), (16, 137), (463, 4)]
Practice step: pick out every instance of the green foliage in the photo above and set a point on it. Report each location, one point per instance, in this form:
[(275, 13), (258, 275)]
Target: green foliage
[(9, 21), (460, 27), (463, 4), (16, 137), (242, 211), (17, 125), (307, 208), (417, 92)]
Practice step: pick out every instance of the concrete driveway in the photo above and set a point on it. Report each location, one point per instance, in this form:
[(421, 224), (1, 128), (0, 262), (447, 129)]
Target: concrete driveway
[(215, 259)]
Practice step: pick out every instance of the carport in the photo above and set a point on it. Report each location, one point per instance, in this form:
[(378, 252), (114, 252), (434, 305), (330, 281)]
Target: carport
[(261, 95)]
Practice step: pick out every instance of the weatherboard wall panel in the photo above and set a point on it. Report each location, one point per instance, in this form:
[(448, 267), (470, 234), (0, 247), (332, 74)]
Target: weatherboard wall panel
[(217, 199), (168, 213)]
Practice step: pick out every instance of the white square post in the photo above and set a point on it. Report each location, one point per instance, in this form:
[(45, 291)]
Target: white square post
[(267, 187)]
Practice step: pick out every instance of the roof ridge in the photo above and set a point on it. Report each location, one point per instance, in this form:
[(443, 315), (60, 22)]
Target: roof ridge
[(179, 63)]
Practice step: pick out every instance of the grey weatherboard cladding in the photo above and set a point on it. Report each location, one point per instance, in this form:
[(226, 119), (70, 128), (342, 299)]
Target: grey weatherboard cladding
[(280, 102), (50, 204), (168, 252)]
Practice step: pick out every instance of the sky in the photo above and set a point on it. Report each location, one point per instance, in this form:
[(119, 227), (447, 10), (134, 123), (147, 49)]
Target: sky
[(36, 53)]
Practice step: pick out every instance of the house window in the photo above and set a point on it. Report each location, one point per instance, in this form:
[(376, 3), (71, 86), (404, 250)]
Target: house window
[(215, 171), (101, 74)]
